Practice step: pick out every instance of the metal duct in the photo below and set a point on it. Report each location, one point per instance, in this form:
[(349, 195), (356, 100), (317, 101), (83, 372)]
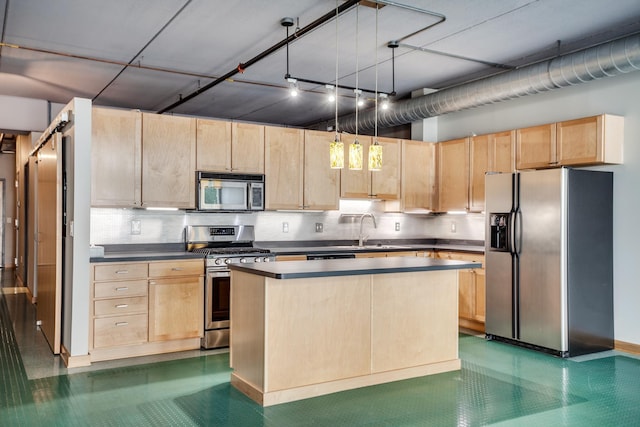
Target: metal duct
[(605, 60)]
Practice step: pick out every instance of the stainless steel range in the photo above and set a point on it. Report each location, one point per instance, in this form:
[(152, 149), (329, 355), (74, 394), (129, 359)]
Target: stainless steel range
[(222, 245)]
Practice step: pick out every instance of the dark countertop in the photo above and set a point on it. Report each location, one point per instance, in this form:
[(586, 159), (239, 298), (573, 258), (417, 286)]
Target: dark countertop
[(168, 251), (145, 256), (145, 252), (349, 267), (347, 246)]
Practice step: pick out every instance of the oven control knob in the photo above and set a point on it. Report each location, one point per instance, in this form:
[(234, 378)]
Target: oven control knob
[(227, 261), (243, 260), (219, 261), (258, 259), (266, 259)]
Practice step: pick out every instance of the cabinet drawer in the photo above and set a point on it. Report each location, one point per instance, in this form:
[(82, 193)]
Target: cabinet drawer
[(118, 306), (120, 289), (120, 271), (176, 268), (120, 330)]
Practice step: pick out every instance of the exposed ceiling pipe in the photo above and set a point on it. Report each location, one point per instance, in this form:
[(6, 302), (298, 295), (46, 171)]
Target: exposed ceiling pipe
[(244, 65), (606, 60)]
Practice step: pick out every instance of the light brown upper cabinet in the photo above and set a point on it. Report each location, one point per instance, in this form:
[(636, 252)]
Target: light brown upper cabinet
[(536, 147), (297, 172), (488, 153), (284, 160), (479, 155), (588, 141), (418, 176), (592, 140), (365, 184), (321, 183), (453, 175), (168, 161), (502, 152), (385, 183), (116, 144), (229, 147)]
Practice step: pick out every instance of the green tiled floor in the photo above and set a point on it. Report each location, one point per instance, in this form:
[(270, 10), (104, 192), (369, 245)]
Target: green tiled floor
[(498, 385)]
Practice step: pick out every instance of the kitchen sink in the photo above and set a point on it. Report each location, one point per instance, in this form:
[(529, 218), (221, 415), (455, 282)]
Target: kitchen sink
[(368, 247)]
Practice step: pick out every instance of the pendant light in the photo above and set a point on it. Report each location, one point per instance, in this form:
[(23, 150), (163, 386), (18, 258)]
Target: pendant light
[(336, 148), (355, 148), (375, 150)]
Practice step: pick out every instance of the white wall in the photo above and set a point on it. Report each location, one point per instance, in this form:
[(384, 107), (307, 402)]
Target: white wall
[(8, 173), (617, 95)]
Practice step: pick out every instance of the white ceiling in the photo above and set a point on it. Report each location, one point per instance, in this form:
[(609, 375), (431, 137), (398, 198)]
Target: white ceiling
[(69, 48)]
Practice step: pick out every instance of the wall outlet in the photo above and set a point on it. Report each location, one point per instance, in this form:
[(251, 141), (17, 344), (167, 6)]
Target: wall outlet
[(285, 227), (136, 226), (319, 227), (397, 226), (453, 227)]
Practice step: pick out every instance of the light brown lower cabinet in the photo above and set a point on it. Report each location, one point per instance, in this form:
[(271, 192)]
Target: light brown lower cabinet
[(143, 308), (472, 291), (175, 308)]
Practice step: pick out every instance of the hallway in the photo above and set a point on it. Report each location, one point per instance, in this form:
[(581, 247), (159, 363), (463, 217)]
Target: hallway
[(498, 385)]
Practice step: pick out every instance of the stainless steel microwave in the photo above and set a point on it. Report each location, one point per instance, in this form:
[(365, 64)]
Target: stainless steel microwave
[(224, 192)]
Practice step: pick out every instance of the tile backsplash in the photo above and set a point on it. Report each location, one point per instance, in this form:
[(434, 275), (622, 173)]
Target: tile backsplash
[(128, 226)]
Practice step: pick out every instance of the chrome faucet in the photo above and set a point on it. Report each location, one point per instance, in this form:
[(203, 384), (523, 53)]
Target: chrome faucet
[(362, 238)]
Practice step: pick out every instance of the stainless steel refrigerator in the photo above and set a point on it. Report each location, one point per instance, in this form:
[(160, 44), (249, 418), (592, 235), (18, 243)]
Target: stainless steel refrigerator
[(549, 260)]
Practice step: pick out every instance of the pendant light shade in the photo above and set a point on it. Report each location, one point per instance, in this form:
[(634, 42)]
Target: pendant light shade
[(336, 154), (375, 156), (355, 155)]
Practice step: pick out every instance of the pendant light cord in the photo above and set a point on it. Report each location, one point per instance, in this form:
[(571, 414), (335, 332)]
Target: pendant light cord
[(336, 86), (375, 132), (357, 67)]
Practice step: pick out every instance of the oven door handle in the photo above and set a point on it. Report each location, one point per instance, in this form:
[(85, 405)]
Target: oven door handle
[(225, 273)]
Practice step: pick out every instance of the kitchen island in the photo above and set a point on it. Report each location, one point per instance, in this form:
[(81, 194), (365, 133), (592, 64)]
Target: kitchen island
[(302, 329)]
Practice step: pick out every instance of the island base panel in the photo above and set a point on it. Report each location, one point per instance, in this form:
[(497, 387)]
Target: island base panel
[(313, 390)]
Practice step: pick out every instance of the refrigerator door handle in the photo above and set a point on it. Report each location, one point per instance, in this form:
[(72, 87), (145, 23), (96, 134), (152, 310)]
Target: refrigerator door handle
[(517, 232), (512, 232)]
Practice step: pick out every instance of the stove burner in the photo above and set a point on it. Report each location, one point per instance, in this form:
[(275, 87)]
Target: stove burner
[(230, 251)]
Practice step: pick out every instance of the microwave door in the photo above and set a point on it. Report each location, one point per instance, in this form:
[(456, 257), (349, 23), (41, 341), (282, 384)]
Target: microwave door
[(223, 195), (233, 196)]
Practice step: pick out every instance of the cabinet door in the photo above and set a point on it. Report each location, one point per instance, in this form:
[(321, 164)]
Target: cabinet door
[(168, 161), (418, 176), (480, 290), (247, 149), (284, 159), (321, 183), (176, 308), (478, 166), (592, 140), (502, 154), (467, 294), (385, 183), (536, 147), (355, 184), (115, 157), (582, 142), (453, 175), (213, 145)]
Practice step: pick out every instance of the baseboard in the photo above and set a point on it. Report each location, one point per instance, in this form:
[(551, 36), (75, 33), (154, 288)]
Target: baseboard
[(74, 361), (626, 347), (471, 324)]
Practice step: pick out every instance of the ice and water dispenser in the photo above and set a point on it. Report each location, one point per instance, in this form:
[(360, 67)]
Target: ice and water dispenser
[(499, 223)]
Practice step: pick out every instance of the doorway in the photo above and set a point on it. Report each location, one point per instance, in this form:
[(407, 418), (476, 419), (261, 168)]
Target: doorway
[(4, 215)]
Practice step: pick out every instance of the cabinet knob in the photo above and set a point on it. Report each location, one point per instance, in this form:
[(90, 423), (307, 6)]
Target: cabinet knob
[(177, 269), (122, 323), (122, 288), (122, 272), (122, 305)]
